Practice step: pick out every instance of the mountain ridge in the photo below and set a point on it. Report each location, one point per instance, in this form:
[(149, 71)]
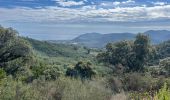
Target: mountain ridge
[(98, 40)]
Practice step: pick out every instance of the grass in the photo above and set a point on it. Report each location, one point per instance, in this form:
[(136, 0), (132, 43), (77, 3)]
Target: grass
[(60, 89)]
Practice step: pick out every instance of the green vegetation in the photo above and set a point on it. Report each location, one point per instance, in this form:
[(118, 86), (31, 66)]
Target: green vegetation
[(130, 54), (82, 70), (40, 70), (163, 94)]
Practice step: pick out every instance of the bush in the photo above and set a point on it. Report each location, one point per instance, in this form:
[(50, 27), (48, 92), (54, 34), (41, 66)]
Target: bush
[(15, 90), (52, 72), (138, 82), (115, 84), (165, 64), (163, 94), (82, 70), (71, 89), (2, 74)]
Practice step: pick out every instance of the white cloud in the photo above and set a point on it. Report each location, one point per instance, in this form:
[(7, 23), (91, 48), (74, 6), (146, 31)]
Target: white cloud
[(116, 3), (69, 3), (109, 4), (85, 14), (103, 4), (128, 1), (159, 3), (89, 7)]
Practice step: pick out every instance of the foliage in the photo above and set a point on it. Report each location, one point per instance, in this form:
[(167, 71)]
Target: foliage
[(15, 52), (56, 50), (11, 46), (16, 90), (141, 50), (52, 72), (136, 82), (163, 94), (60, 89), (115, 84), (164, 49), (2, 74), (82, 70), (132, 55), (116, 53), (165, 64)]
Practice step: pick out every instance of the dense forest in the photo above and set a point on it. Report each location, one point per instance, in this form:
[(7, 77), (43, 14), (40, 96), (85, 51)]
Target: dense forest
[(40, 70)]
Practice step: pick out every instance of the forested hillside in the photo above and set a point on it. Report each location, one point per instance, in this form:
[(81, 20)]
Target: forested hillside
[(124, 70)]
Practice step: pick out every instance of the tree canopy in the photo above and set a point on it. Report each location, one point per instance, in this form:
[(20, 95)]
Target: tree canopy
[(131, 54), (13, 50)]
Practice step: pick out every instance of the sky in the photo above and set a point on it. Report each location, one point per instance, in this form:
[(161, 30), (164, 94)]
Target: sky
[(66, 19)]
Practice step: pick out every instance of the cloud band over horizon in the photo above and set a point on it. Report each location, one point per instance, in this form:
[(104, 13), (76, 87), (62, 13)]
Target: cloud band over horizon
[(84, 11)]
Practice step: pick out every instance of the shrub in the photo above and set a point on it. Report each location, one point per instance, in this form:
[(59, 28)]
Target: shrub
[(71, 89), (15, 90), (163, 94), (115, 84), (2, 74), (52, 73), (138, 82), (82, 70), (165, 64)]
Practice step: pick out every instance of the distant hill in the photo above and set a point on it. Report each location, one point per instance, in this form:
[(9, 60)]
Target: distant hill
[(97, 40), (158, 36), (100, 40)]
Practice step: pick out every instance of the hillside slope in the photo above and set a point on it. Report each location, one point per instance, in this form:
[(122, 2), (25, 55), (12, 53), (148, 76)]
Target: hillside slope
[(56, 50)]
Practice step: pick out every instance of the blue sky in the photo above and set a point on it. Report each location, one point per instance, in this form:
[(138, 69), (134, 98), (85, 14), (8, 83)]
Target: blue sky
[(66, 19)]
